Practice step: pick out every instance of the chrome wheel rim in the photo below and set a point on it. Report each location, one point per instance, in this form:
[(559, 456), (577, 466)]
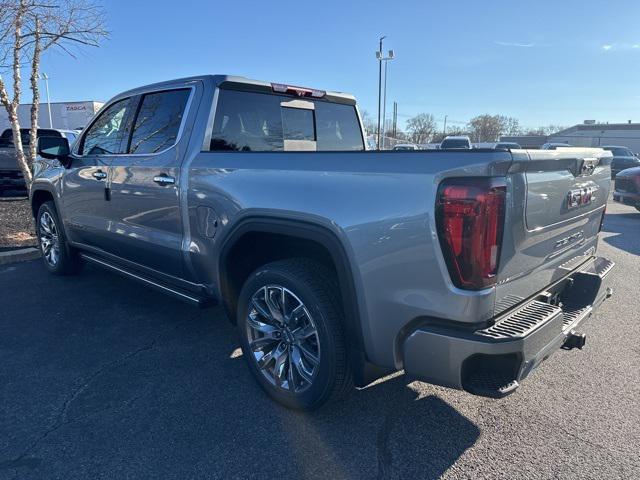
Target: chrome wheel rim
[(283, 338), (49, 241)]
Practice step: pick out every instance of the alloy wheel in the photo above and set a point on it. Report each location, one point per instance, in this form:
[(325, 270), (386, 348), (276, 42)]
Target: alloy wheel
[(49, 240), (283, 338)]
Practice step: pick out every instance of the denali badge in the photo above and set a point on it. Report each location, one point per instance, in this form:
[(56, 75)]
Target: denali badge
[(580, 196)]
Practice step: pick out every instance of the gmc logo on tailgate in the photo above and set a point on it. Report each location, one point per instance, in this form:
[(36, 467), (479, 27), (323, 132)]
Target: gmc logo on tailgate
[(580, 196)]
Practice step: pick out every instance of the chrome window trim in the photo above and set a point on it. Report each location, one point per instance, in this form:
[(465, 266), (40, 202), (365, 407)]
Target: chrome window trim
[(187, 109)]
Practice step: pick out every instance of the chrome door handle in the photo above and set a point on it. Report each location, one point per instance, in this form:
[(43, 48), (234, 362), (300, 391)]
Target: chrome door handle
[(164, 179), (99, 175)]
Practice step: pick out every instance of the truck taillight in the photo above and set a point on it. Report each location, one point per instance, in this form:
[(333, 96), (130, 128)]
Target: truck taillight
[(470, 220)]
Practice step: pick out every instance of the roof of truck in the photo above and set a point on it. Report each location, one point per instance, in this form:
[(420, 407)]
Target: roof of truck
[(240, 83)]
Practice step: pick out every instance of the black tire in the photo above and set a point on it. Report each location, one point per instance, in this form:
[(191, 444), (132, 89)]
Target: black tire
[(313, 285), (67, 261)]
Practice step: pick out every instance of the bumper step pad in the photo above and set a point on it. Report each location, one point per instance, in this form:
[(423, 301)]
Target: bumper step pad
[(521, 322)]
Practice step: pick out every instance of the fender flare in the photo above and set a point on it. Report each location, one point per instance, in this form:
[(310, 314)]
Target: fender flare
[(315, 231)]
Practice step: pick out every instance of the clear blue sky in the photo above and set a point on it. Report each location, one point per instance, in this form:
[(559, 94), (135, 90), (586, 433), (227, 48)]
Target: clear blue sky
[(542, 62)]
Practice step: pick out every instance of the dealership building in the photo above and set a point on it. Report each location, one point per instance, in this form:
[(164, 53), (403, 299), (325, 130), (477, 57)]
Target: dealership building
[(587, 134), (64, 115)]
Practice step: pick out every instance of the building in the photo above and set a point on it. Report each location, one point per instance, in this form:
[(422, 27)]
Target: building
[(64, 115), (587, 134), (526, 141), (590, 134)]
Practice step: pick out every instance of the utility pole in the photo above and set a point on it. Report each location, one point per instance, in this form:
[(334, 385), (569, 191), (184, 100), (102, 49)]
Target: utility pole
[(444, 129), (395, 119), (45, 77), (379, 56), (384, 107)]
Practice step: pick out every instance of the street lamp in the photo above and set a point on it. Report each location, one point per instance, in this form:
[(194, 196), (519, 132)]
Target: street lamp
[(45, 77), (381, 58), (391, 56)]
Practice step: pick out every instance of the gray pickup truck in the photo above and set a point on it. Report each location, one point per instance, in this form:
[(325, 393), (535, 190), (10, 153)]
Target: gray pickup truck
[(465, 268)]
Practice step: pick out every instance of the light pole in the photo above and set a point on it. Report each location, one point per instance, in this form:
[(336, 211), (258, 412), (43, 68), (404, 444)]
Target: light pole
[(379, 56), (45, 77), (444, 128), (391, 56)]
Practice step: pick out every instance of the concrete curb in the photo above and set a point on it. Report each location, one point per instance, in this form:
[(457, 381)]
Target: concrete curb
[(19, 255)]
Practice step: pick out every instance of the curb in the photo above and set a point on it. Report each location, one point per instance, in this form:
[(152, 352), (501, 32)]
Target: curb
[(19, 255)]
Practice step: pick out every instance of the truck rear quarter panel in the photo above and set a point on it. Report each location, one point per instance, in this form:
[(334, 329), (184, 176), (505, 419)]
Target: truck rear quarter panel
[(380, 206)]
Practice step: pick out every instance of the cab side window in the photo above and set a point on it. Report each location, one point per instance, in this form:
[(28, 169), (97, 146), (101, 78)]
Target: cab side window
[(105, 136)]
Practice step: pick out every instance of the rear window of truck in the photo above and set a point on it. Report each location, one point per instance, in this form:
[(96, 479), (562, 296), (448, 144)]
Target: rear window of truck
[(258, 122)]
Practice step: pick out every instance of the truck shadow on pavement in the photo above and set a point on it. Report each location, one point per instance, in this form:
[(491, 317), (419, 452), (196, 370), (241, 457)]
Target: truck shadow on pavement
[(625, 226), (104, 375)]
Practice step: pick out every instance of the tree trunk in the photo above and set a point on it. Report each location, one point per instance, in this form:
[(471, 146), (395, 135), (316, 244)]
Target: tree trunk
[(12, 107), (35, 102)]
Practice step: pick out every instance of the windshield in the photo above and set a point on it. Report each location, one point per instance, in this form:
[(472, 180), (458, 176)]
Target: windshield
[(455, 143), (6, 139), (620, 152)]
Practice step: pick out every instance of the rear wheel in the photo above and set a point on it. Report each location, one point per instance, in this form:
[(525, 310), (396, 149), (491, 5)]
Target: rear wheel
[(292, 335), (59, 257)]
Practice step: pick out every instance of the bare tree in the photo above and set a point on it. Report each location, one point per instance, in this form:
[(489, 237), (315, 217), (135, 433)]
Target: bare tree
[(368, 122), (489, 128), (28, 28), (421, 127)]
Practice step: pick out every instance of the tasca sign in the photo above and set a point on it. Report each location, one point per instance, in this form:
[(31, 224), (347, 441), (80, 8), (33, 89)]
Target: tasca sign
[(75, 108)]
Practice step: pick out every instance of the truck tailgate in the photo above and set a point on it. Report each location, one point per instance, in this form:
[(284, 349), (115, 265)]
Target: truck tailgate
[(8, 158), (554, 213)]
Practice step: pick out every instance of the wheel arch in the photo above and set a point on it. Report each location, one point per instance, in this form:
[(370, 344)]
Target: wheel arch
[(305, 236), (40, 194)]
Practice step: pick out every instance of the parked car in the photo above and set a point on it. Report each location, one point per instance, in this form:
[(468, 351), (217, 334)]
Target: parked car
[(508, 145), (554, 146), (10, 173), (406, 146), (623, 158), (627, 187), (495, 145), (464, 268), (456, 142)]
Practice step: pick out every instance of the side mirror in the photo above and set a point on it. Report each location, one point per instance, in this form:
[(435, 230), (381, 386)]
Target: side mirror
[(55, 148)]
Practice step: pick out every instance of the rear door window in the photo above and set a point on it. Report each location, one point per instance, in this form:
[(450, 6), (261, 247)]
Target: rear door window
[(158, 121)]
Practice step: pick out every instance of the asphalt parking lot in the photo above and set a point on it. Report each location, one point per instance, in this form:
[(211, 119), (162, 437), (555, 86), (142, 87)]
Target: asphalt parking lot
[(103, 378)]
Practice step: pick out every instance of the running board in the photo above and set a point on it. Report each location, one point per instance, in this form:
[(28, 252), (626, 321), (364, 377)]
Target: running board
[(189, 297)]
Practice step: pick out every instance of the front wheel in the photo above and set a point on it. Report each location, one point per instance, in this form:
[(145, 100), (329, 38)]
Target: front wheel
[(292, 333), (59, 257)]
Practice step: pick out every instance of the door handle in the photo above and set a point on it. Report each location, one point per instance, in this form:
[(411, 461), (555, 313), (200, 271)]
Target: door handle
[(99, 175), (164, 179)]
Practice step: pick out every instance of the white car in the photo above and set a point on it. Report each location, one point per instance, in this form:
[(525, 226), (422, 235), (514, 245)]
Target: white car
[(406, 146), (456, 142), (554, 146)]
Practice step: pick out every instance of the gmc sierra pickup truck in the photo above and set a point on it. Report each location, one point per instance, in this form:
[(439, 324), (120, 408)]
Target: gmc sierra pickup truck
[(465, 268)]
